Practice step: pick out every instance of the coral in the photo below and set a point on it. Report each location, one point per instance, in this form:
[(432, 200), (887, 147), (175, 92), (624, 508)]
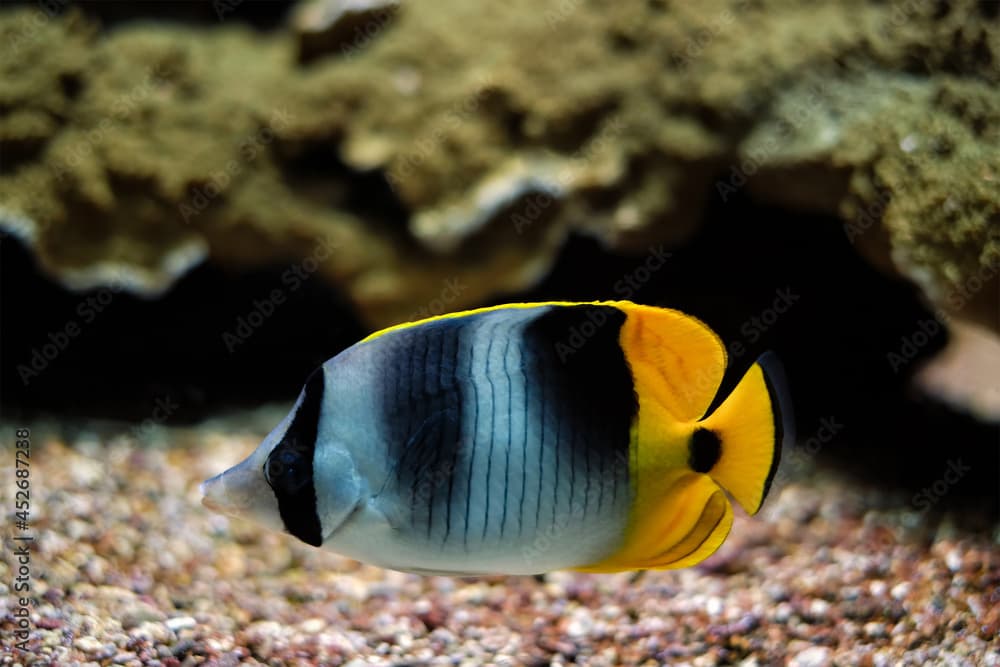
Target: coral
[(424, 153)]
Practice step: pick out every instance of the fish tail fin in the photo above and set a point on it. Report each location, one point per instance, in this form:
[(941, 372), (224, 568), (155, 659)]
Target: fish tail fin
[(739, 444)]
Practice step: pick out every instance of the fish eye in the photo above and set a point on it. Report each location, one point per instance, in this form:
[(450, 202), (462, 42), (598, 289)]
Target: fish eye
[(286, 469)]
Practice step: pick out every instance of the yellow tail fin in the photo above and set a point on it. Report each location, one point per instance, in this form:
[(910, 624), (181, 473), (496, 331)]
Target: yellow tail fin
[(739, 444)]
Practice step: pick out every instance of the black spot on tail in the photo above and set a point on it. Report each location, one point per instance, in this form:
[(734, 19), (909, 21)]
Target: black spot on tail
[(704, 449), (289, 467)]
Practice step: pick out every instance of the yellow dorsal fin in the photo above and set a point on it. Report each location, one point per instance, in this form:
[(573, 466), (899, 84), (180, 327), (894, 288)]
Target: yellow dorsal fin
[(674, 357)]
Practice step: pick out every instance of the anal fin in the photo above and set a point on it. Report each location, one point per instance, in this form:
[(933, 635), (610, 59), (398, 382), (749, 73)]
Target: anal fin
[(681, 527)]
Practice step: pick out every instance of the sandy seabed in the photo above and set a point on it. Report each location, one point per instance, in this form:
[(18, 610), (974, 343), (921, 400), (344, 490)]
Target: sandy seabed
[(127, 568)]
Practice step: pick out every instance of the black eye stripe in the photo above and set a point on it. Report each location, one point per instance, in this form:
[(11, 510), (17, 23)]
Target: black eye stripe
[(289, 467)]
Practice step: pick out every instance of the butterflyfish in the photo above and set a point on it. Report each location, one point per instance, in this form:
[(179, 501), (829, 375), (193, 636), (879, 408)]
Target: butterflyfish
[(520, 439)]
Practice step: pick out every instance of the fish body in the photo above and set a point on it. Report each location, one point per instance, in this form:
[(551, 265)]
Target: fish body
[(519, 439)]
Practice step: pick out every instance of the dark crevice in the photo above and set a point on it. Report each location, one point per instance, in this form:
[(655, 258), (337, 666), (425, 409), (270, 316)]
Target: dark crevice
[(19, 152), (574, 131), (522, 221), (216, 340), (71, 84), (262, 15), (622, 42), (989, 9), (317, 173)]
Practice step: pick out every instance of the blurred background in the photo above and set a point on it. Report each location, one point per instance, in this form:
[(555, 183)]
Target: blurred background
[(202, 201)]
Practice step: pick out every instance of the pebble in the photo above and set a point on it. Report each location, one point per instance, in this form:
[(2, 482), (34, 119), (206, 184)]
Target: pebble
[(155, 632), (138, 614), (783, 612), (581, 624), (713, 606), (179, 623), (88, 644), (822, 596), (819, 608), (815, 656), (875, 630), (312, 626), (901, 590)]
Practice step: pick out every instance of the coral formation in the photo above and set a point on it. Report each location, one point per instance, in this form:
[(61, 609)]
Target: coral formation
[(422, 153)]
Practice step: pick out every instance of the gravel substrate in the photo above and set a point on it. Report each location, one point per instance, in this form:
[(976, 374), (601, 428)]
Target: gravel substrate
[(128, 568)]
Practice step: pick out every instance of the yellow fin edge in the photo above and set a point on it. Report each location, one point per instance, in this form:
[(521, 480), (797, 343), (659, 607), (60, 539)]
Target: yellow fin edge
[(486, 309)]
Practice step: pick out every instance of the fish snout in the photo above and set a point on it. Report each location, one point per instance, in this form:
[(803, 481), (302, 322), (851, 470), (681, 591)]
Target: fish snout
[(232, 492)]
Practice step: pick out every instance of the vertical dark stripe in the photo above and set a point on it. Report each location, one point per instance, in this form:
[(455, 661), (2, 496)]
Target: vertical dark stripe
[(421, 412), (288, 469), (413, 380), (492, 430), (506, 465), (435, 390), (432, 365), (398, 400), (603, 481), (589, 431), (475, 430), (453, 338), (525, 415), (541, 443), (574, 441), (555, 484), (433, 396), (590, 400)]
